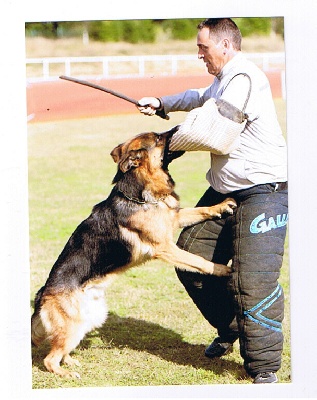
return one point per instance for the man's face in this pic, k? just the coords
(211, 53)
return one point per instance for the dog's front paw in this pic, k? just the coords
(221, 270)
(227, 206)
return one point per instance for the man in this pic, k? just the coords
(249, 164)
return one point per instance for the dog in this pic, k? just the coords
(133, 225)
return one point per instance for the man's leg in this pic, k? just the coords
(259, 235)
(213, 241)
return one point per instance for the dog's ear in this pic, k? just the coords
(132, 159)
(116, 153)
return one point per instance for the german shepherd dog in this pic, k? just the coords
(133, 225)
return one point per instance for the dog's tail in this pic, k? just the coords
(38, 333)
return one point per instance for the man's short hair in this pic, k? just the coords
(220, 28)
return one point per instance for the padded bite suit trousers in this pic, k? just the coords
(249, 305)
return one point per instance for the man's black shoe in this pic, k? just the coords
(218, 348)
(266, 377)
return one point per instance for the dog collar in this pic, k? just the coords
(139, 201)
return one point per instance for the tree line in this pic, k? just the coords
(146, 31)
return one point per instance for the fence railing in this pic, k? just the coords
(49, 68)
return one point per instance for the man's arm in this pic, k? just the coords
(217, 124)
(185, 101)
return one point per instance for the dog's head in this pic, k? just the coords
(149, 150)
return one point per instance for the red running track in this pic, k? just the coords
(49, 101)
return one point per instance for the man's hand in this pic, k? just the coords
(149, 105)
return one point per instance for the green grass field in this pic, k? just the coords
(154, 334)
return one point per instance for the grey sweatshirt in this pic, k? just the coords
(261, 156)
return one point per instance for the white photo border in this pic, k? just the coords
(300, 47)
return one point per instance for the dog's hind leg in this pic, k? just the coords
(63, 340)
(52, 364)
(60, 315)
(67, 317)
(60, 350)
